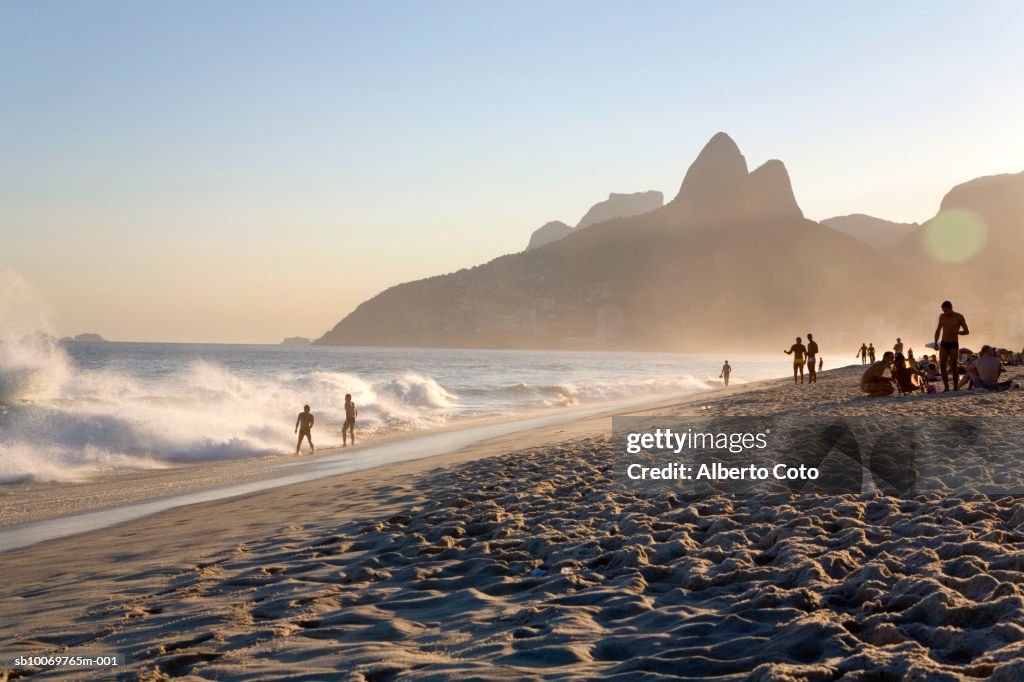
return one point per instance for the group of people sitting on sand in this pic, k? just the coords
(979, 371)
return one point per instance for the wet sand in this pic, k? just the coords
(523, 557)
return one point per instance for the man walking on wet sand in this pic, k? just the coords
(951, 327)
(726, 371)
(305, 422)
(797, 350)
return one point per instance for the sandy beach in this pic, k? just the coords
(523, 557)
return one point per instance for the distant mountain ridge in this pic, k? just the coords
(870, 230)
(547, 233)
(728, 261)
(980, 230)
(615, 206)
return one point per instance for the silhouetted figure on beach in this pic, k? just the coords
(351, 412)
(812, 355)
(897, 347)
(951, 327)
(871, 352)
(304, 427)
(874, 382)
(910, 356)
(726, 371)
(821, 363)
(863, 353)
(798, 350)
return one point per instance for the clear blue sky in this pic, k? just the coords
(242, 171)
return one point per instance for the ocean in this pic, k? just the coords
(72, 411)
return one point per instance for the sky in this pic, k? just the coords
(245, 171)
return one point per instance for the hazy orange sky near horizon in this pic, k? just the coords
(242, 172)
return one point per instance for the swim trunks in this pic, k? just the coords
(950, 345)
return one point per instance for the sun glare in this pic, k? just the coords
(955, 235)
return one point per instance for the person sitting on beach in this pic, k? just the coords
(871, 352)
(987, 369)
(863, 353)
(906, 376)
(873, 382)
(812, 352)
(951, 327)
(351, 412)
(967, 372)
(798, 350)
(305, 422)
(726, 371)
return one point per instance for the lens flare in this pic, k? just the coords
(955, 235)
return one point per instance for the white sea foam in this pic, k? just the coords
(95, 419)
(70, 411)
(65, 422)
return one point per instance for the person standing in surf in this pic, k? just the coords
(351, 412)
(726, 371)
(798, 350)
(305, 423)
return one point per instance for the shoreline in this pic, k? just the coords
(520, 557)
(29, 503)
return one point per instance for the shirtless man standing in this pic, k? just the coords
(812, 354)
(797, 350)
(863, 353)
(305, 421)
(726, 371)
(951, 326)
(351, 412)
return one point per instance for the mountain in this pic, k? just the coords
(621, 206)
(973, 244)
(296, 341)
(547, 233)
(615, 206)
(730, 262)
(89, 338)
(870, 230)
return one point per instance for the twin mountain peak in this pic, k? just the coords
(729, 262)
(718, 188)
